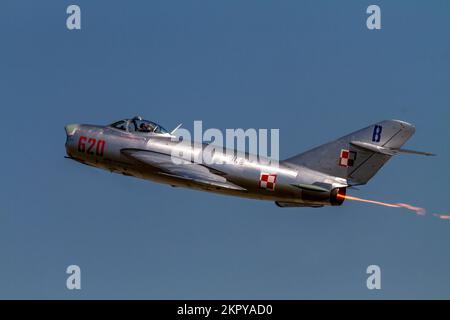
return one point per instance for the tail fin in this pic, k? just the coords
(359, 155)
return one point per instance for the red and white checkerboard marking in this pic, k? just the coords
(347, 158)
(267, 181)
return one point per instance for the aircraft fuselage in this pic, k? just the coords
(259, 178)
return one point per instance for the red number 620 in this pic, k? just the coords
(91, 143)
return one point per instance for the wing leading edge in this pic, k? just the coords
(189, 171)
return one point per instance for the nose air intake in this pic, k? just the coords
(70, 129)
(70, 145)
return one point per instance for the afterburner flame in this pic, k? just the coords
(417, 210)
(442, 216)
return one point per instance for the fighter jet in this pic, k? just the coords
(318, 177)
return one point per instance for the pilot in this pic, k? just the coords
(144, 127)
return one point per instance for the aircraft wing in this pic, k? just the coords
(194, 172)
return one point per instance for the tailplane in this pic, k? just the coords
(358, 156)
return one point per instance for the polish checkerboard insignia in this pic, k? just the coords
(267, 181)
(347, 158)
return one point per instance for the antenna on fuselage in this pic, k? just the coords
(178, 127)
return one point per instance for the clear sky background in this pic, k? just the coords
(310, 68)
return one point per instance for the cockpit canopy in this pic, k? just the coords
(138, 125)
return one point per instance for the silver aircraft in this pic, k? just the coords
(318, 177)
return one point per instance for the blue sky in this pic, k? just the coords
(310, 68)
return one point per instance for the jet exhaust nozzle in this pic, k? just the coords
(337, 196)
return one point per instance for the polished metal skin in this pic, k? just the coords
(318, 177)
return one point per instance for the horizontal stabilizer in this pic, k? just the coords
(386, 150)
(422, 153)
(359, 155)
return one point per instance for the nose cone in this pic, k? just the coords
(70, 129)
(70, 144)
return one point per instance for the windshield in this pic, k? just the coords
(139, 125)
(121, 125)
